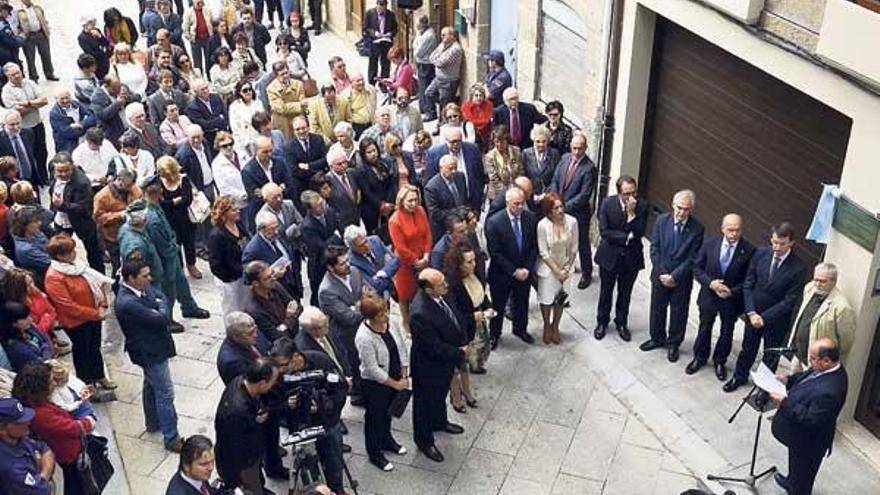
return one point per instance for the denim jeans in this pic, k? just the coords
(158, 398)
(330, 451)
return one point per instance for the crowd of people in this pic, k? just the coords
(211, 141)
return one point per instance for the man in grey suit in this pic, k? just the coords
(289, 218)
(345, 194)
(166, 94)
(540, 160)
(443, 193)
(339, 298)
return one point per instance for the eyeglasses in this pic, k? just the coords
(453, 116)
(227, 144)
(247, 90)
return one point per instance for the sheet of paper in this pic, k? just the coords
(282, 262)
(766, 380)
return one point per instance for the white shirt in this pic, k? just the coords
(33, 22)
(207, 176)
(137, 292)
(243, 132)
(227, 178)
(61, 218)
(143, 166)
(267, 170)
(346, 281)
(94, 163)
(781, 257)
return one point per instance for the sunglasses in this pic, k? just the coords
(453, 116)
(247, 90)
(227, 144)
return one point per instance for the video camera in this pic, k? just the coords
(308, 386)
(304, 436)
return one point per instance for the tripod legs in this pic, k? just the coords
(752, 479)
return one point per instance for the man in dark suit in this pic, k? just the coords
(675, 240)
(320, 228)
(269, 246)
(142, 312)
(70, 120)
(305, 154)
(19, 142)
(524, 184)
(345, 192)
(107, 103)
(71, 200)
(436, 329)
(444, 193)
(511, 238)
(257, 34)
(149, 136)
(541, 159)
(166, 94)
(207, 110)
(261, 170)
(376, 262)
(273, 309)
(622, 221)
(242, 346)
(456, 227)
(313, 336)
(380, 27)
(289, 218)
(574, 181)
(165, 19)
(470, 164)
(193, 466)
(806, 419)
(519, 117)
(720, 268)
(771, 291)
(195, 157)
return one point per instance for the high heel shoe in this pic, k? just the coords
(459, 409)
(471, 403)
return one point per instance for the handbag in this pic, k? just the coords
(93, 464)
(200, 208)
(363, 46)
(399, 402)
(310, 86)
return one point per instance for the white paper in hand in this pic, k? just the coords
(767, 381)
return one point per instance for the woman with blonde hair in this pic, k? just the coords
(502, 163)
(478, 111)
(226, 241)
(452, 117)
(177, 196)
(130, 73)
(411, 237)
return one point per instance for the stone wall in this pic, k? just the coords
(796, 21)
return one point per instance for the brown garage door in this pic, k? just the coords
(742, 140)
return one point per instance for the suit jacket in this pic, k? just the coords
(106, 110)
(144, 322)
(305, 342)
(151, 140)
(316, 158)
(157, 102)
(666, 259)
(835, 319)
(258, 248)
(211, 121)
(320, 121)
(317, 236)
(707, 268)
(435, 341)
(775, 300)
(290, 222)
(504, 256)
(541, 173)
(439, 201)
(173, 23)
(371, 25)
(253, 177)
(78, 203)
(473, 162)
(529, 116)
(179, 486)
(233, 359)
(369, 269)
(806, 419)
(271, 320)
(578, 192)
(66, 137)
(190, 165)
(346, 205)
(618, 252)
(261, 39)
(337, 301)
(41, 175)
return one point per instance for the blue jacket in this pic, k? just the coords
(368, 269)
(666, 258)
(144, 322)
(66, 137)
(21, 351)
(497, 81)
(233, 358)
(17, 462)
(476, 173)
(576, 194)
(190, 165)
(258, 248)
(774, 299)
(31, 254)
(9, 44)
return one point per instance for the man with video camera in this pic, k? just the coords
(313, 391)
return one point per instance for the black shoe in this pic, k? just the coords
(197, 313)
(317, 32)
(493, 341)
(346, 448)
(175, 327)
(343, 428)
(278, 473)
(52, 78)
(452, 429)
(479, 370)
(733, 384)
(471, 403)
(782, 481)
(459, 409)
(650, 345)
(525, 337)
(585, 282)
(720, 371)
(432, 453)
(624, 333)
(599, 331)
(693, 367)
(383, 464)
(672, 354)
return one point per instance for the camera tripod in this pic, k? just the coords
(306, 471)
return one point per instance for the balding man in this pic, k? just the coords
(381, 128)
(274, 310)
(824, 313)
(443, 193)
(263, 169)
(150, 138)
(345, 190)
(305, 154)
(806, 418)
(524, 184)
(289, 218)
(360, 100)
(436, 351)
(675, 240)
(18, 142)
(470, 164)
(519, 117)
(446, 58)
(207, 110)
(513, 250)
(720, 268)
(70, 120)
(108, 104)
(313, 336)
(195, 157)
(270, 245)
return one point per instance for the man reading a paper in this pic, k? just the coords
(273, 248)
(806, 418)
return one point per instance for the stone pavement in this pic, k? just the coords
(584, 417)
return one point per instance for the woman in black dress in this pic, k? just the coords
(176, 197)
(378, 185)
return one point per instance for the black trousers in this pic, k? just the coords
(803, 465)
(316, 273)
(271, 441)
(86, 349)
(73, 482)
(585, 250)
(501, 288)
(38, 42)
(316, 13)
(41, 153)
(677, 301)
(708, 313)
(378, 57)
(752, 338)
(354, 360)
(429, 411)
(624, 282)
(377, 420)
(359, 129)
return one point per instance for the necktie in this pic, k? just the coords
(147, 138)
(347, 186)
(208, 106)
(305, 145)
(449, 312)
(371, 257)
(454, 190)
(517, 232)
(514, 126)
(569, 173)
(24, 161)
(726, 254)
(204, 489)
(254, 352)
(381, 23)
(676, 237)
(235, 161)
(325, 344)
(774, 266)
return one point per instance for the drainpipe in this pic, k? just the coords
(609, 98)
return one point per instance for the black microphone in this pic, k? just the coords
(781, 350)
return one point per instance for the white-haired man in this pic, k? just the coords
(70, 120)
(345, 190)
(207, 110)
(271, 247)
(376, 261)
(151, 140)
(518, 117)
(443, 193)
(469, 162)
(18, 142)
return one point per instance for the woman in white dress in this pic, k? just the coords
(224, 75)
(130, 73)
(226, 169)
(241, 112)
(557, 250)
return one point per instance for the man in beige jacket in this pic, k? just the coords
(34, 28)
(824, 313)
(287, 99)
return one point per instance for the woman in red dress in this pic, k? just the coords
(411, 238)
